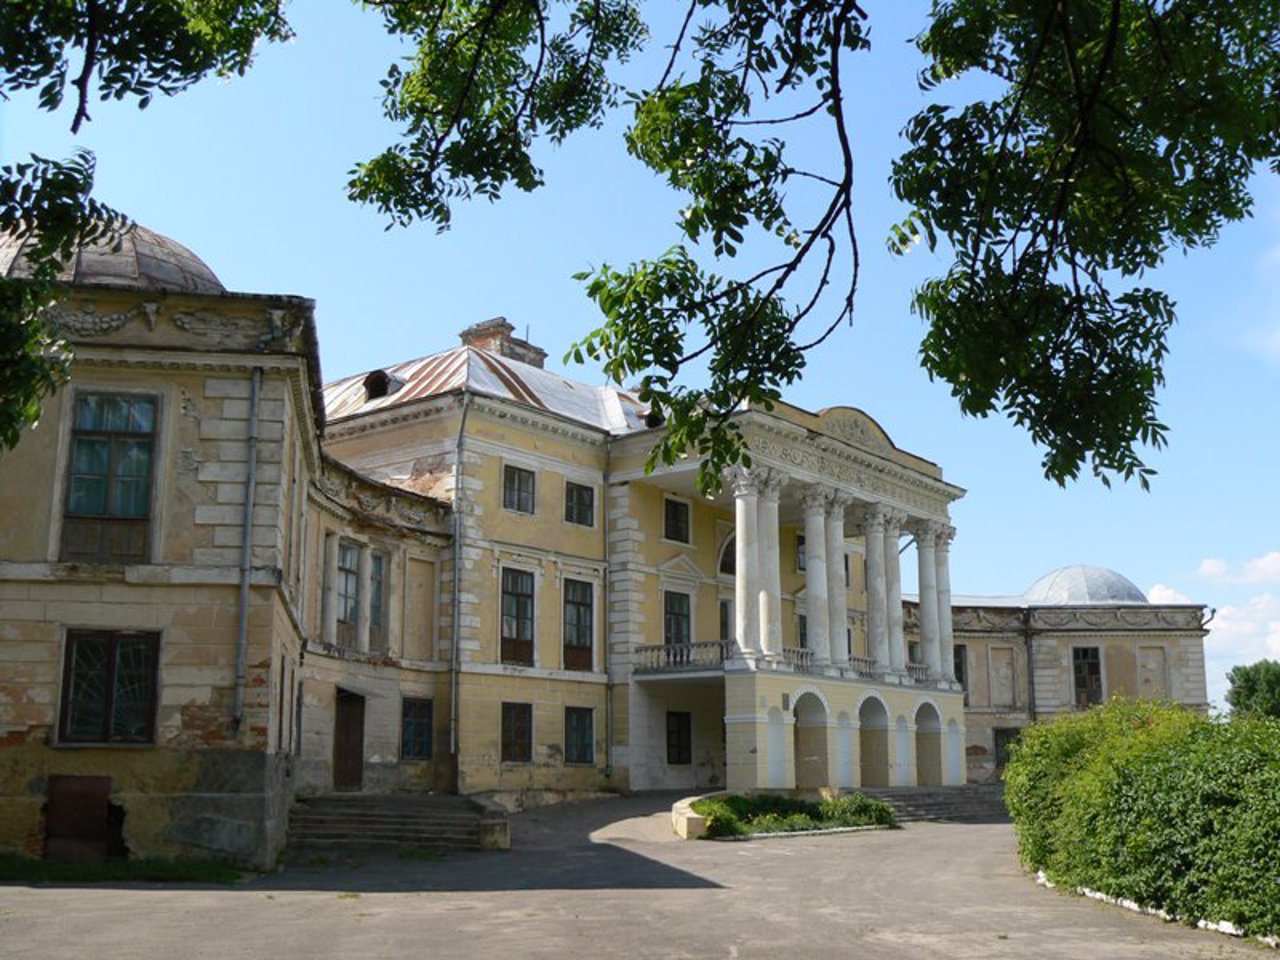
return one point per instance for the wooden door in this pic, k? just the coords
(348, 741)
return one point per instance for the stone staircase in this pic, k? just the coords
(972, 803)
(360, 820)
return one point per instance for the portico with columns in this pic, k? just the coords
(819, 686)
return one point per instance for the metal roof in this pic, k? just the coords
(489, 374)
(1081, 585)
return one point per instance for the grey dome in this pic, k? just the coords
(1081, 585)
(144, 261)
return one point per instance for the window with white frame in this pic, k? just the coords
(677, 618)
(579, 622)
(348, 593)
(517, 616)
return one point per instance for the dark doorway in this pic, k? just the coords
(348, 741)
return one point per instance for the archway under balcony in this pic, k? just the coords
(928, 746)
(873, 742)
(810, 742)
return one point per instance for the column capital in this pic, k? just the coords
(946, 533)
(743, 482)
(873, 518)
(770, 481)
(926, 531)
(816, 498)
(894, 519)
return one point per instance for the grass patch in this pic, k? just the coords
(147, 870)
(739, 815)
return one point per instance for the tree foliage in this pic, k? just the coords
(1255, 688)
(1118, 131)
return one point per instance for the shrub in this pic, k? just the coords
(1155, 803)
(736, 814)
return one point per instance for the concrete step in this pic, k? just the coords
(977, 803)
(381, 820)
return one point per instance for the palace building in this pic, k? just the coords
(224, 584)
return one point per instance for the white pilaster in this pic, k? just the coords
(364, 573)
(770, 568)
(815, 502)
(926, 536)
(877, 611)
(946, 638)
(746, 580)
(893, 590)
(329, 596)
(837, 592)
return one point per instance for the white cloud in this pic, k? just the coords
(1241, 634)
(1263, 569)
(1162, 594)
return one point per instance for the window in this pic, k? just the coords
(579, 504)
(517, 616)
(1087, 668)
(960, 664)
(1005, 737)
(578, 622)
(517, 733)
(579, 735)
(676, 620)
(802, 632)
(378, 601)
(846, 571)
(348, 593)
(729, 558)
(679, 737)
(675, 520)
(517, 489)
(415, 729)
(914, 652)
(800, 558)
(108, 506)
(109, 686)
(726, 620)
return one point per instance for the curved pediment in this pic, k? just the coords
(853, 426)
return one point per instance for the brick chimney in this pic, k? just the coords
(495, 336)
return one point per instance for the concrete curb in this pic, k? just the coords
(689, 825)
(1217, 926)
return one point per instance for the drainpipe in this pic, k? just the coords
(246, 553)
(456, 641)
(604, 634)
(1027, 636)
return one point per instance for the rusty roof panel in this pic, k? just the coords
(480, 371)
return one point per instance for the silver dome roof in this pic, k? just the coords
(1081, 584)
(145, 260)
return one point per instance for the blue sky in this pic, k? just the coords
(249, 173)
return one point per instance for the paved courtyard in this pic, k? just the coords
(607, 879)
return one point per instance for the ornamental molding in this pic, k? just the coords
(84, 320)
(1116, 618)
(544, 422)
(986, 619)
(855, 428)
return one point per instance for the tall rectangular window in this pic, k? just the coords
(108, 508)
(960, 664)
(579, 735)
(517, 616)
(675, 520)
(676, 619)
(726, 621)
(517, 489)
(579, 617)
(378, 601)
(679, 737)
(517, 733)
(109, 687)
(579, 504)
(348, 593)
(802, 632)
(1087, 668)
(801, 565)
(415, 729)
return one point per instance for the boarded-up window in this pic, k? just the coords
(108, 508)
(419, 633)
(1152, 676)
(517, 732)
(1003, 688)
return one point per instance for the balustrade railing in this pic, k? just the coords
(798, 658)
(865, 667)
(683, 656)
(918, 672)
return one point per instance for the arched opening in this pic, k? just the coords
(777, 745)
(810, 742)
(928, 746)
(873, 743)
(844, 750)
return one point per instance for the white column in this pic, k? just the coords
(926, 534)
(877, 612)
(329, 595)
(837, 592)
(893, 590)
(746, 579)
(945, 636)
(770, 568)
(816, 611)
(364, 575)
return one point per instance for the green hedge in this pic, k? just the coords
(735, 815)
(1155, 803)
